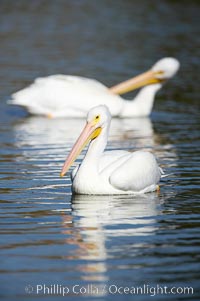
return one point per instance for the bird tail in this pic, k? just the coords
(163, 174)
(10, 101)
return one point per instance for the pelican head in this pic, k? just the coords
(97, 119)
(99, 116)
(165, 68)
(159, 73)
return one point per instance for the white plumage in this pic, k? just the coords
(73, 96)
(112, 172)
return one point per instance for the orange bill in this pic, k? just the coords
(89, 132)
(146, 78)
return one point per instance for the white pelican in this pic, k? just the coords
(73, 96)
(112, 172)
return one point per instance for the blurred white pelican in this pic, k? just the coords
(112, 172)
(73, 96)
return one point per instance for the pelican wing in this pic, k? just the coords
(111, 158)
(108, 162)
(138, 172)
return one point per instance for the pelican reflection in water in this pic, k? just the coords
(95, 220)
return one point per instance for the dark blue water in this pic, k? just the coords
(87, 246)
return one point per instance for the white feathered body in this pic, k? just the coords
(115, 172)
(73, 96)
(110, 172)
(65, 95)
(118, 172)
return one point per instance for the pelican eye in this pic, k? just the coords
(160, 72)
(160, 75)
(97, 118)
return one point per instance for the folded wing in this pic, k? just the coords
(138, 172)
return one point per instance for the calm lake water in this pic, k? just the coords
(89, 244)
